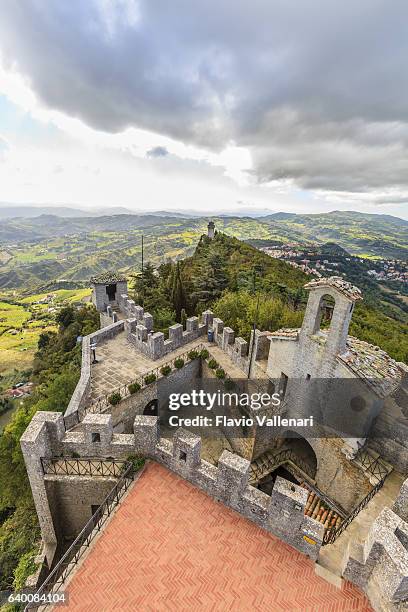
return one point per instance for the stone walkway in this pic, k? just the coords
(119, 362)
(332, 556)
(170, 547)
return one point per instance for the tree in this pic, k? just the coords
(178, 296)
(65, 316)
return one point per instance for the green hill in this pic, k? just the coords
(51, 248)
(245, 286)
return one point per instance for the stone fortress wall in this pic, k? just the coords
(380, 566)
(282, 513)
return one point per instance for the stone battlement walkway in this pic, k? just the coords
(171, 547)
(120, 362)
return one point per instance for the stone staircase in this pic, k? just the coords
(270, 461)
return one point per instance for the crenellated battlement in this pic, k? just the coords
(282, 513)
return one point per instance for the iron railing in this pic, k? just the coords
(331, 535)
(372, 465)
(65, 565)
(63, 466)
(102, 403)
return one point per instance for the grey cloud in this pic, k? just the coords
(157, 152)
(316, 90)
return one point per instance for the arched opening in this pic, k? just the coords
(302, 452)
(152, 408)
(325, 313)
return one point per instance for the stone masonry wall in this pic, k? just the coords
(282, 513)
(72, 498)
(74, 411)
(379, 566)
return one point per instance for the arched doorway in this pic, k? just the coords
(301, 449)
(152, 408)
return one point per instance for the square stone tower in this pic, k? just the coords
(107, 289)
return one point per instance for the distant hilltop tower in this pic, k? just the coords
(211, 229)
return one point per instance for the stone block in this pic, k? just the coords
(241, 347)
(131, 307)
(400, 506)
(156, 345)
(228, 337)
(139, 312)
(146, 431)
(233, 475)
(207, 317)
(98, 432)
(218, 326)
(176, 334)
(287, 505)
(141, 333)
(186, 450)
(130, 326)
(192, 324)
(148, 321)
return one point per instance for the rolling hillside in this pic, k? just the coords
(48, 248)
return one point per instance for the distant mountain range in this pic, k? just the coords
(48, 247)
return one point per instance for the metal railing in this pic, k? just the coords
(63, 466)
(102, 403)
(372, 465)
(66, 564)
(331, 535)
(268, 463)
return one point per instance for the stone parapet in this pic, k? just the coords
(282, 514)
(75, 409)
(379, 566)
(139, 328)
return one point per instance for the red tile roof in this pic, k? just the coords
(171, 547)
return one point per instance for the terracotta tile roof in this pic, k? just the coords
(366, 360)
(169, 546)
(349, 290)
(373, 364)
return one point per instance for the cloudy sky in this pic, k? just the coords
(206, 105)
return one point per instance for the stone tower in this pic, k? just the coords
(107, 289)
(211, 229)
(332, 340)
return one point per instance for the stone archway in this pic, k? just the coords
(301, 448)
(152, 408)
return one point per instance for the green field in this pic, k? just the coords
(22, 320)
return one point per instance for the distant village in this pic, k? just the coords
(310, 260)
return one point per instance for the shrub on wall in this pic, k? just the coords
(165, 370)
(213, 364)
(150, 378)
(134, 387)
(137, 462)
(114, 398)
(178, 363)
(192, 355)
(204, 354)
(220, 373)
